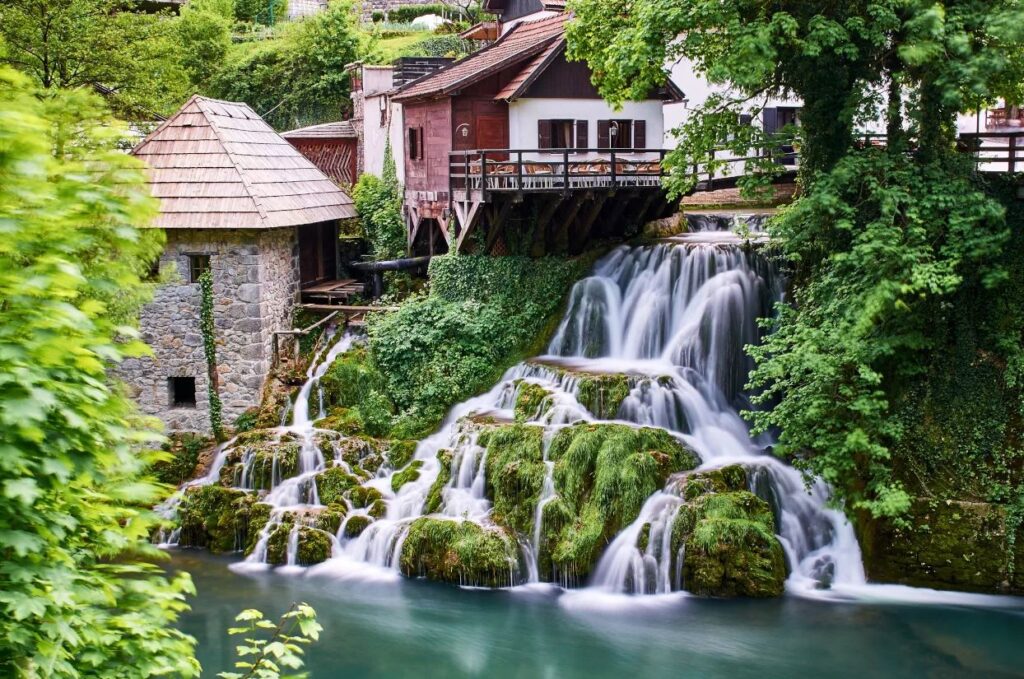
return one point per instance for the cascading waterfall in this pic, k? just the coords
(675, 318)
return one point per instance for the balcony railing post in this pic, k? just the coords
(483, 173)
(466, 175)
(519, 170)
(1013, 152)
(565, 170)
(613, 177)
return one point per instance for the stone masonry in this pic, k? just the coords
(255, 283)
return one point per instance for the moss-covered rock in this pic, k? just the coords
(353, 383)
(600, 393)
(946, 545)
(355, 525)
(459, 552)
(400, 453)
(726, 537)
(435, 496)
(342, 420)
(529, 401)
(329, 519)
(208, 518)
(251, 516)
(603, 474)
(314, 545)
(363, 496)
(407, 475)
(255, 459)
(331, 485)
(722, 480)
(514, 474)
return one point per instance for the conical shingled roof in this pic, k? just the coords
(218, 165)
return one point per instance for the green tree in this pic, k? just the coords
(205, 36)
(264, 658)
(65, 44)
(79, 594)
(261, 11)
(887, 247)
(298, 78)
(379, 203)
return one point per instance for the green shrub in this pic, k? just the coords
(379, 203)
(480, 316)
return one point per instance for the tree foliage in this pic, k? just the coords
(204, 31)
(379, 203)
(298, 78)
(105, 44)
(79, 596)
(270, 649)
(884, 243)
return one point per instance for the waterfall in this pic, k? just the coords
(675, 318)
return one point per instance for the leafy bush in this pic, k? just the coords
(262, 11)
(379, 203)
(450, 45)
(79, 596)
(480, 316)
(205, 36)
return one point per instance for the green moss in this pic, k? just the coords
(603, 474)
(435, 497)
(603, 394)
(529, 401)
(331, 485)
(329, 520)
(378, 509)
(407, 475)
(458, 552)
(314, 546)
(247, 420)
(514, 474)
(363, 496)
(723, 480)
(262, 456)
(353, 383)
(356, 525)
(727, 539)
(184, 451)
(251, 516)
(644, 539)
(400, 453)
(207, 516)
(342, 420)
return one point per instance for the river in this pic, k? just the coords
(405, 628)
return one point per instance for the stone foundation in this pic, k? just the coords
(255, 283)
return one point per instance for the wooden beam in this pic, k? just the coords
(472, 217)
(547, 212)
(497, 224)
(619, 205)
(585, 224)
(560, 238)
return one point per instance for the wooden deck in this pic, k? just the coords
(331, 292)
(474, 175)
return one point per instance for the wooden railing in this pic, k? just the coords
(549, 170)
(995, 151)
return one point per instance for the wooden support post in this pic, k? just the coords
(497, 225)
(470, 216)
(622, 201)
(563, 222)
(586, 223)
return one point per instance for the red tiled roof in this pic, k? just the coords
(526, 40)
(518, 85)
(218, 165)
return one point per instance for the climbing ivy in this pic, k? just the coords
(208, 330)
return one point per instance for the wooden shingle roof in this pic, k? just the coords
(341, 129)
(218, 165)
(526, 40)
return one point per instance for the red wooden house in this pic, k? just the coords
(514, 129)
(332, 147)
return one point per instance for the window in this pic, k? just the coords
(182, 391)
(557, 134)
(415, 143)
(621, 134)
(197, 265)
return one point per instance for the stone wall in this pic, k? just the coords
(255, 282)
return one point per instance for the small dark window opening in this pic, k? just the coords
(197, 265)
(615, 134)
(154, 270)
(182, 391)
(556, 134)
(415, 143)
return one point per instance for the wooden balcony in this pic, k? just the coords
(475, 175)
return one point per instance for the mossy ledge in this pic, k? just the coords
(603, 474)
(459, 553)
(725, 534)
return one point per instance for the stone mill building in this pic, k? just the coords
(238, 200)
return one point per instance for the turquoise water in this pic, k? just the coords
(400, 628)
